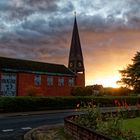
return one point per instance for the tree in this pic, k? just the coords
(131, 75)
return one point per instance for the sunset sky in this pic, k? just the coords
(41, 30)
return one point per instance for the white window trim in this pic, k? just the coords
(71, 82)
(61, 81)
(37, 80)
(49, 80)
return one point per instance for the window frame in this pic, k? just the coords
(61, 81)
(37, 80)
(71, 82)
(50, 80)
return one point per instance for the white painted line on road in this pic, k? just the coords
(8, 130)
(26, 128)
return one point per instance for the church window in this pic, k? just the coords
(50, 80)
(37, 80)
(71, 82)
(61, 81)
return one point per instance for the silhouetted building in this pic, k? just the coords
(24, 77)
(76, 62)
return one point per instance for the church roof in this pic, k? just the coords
(18, 65)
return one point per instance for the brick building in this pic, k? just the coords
(24, 77)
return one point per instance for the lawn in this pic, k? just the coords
(133, 124)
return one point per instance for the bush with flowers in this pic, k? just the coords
(125, 110)
(108, 123)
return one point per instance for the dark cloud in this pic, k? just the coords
(41, 29)
(15, 10)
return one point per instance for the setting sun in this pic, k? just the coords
(107, 81)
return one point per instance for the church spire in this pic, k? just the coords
(76, 63)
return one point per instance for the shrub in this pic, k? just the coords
(108, 123)
(82, 91)
(29, 103)
(91, 118)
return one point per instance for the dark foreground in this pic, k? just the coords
(14, 127)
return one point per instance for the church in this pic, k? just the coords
(24, 77)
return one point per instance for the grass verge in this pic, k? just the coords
(133, 124)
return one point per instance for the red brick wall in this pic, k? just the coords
(57, 90)
(26, 83)
(80, 79)
(80, 132)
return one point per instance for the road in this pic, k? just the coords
(14, 127)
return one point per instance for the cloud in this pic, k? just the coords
(42, 29)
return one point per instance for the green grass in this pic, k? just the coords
(133, 124)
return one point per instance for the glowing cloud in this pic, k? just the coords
(41, 30)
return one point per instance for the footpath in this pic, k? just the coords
(104, 109)
(13, 114)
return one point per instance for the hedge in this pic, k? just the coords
(27, 103)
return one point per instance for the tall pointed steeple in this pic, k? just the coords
(76, 62)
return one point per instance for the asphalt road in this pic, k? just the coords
(14, 127)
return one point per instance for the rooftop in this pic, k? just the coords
(18, 65)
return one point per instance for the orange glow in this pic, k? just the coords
(107, 53)
(106, 81)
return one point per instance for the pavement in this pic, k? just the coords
(32, 134)
(13, 114)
